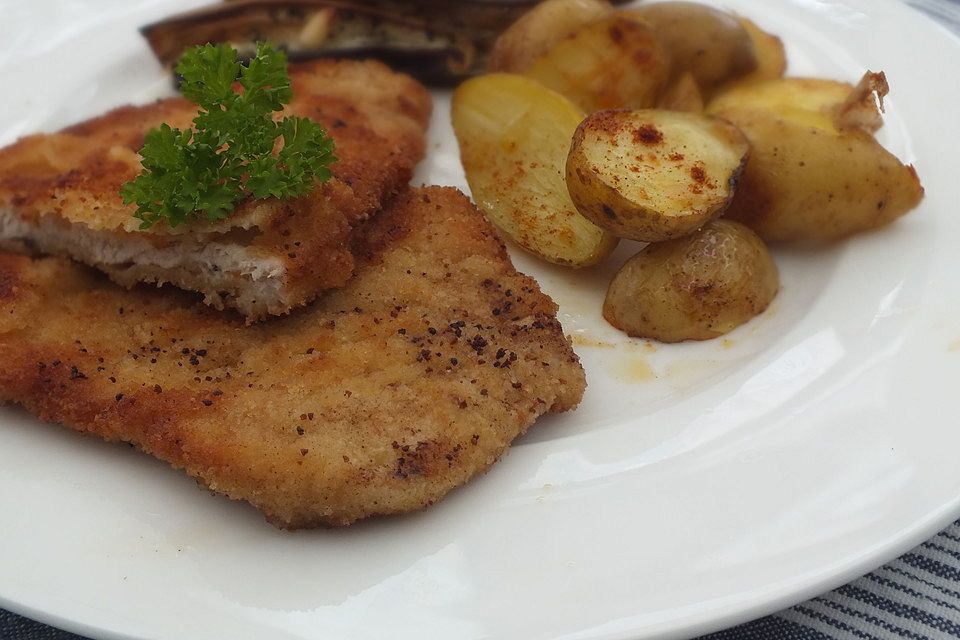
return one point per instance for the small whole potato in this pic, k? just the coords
(654, 175)
(696, 288)
(710, 44)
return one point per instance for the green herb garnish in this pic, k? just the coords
(230, 154)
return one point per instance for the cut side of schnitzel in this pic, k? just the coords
(59, 194)
(378, 398)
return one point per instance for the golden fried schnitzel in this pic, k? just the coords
(60, 194)
(378, 398)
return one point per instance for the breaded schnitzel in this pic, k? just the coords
(60, 193)
(378, 398)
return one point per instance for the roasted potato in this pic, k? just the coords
(695, 288)
(810, 184)
(815, 172)
(822, 103)
(800, 98)
(514, 134)
(768, 48)
(617, 62)
(682, 94)
(710, 44)
(654, 175)
(540, 28)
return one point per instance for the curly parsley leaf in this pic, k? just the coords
(231, 153)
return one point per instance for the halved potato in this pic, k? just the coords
(540, 28)
(682, 94)
(613, 63)
(826, 104)
(793, 97)
(514, 134)
(710, 44)
(816, 184)
(654, 175)
(816, 173)
(695, 288)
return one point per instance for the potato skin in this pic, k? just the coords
(812, 184)
(710, 44)
(539, 29)
(707, 192)
(771, 55)
(771, 58)
(696, 288)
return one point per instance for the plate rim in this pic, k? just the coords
(841, 573)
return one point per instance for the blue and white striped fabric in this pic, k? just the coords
(946, 12)
(916, 597)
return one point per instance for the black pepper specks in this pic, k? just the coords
(478, 343)
(457, 327)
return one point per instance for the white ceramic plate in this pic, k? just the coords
(697, 486)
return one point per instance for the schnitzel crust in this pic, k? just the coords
(378, 398)
(60, 192)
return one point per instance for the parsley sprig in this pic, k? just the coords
(231, 152)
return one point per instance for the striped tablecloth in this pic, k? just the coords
(916, 597)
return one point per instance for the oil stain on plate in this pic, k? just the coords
(634, 369)
(581, 340)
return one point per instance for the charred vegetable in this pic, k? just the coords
(438, 41)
